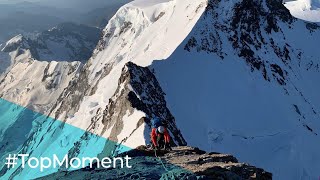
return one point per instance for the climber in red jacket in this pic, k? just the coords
(160, 138)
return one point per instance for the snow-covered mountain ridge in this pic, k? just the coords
(258, 90)
(237, 76)
(93, 99)
(308, 10)
(126, 31)
(65, 42)
(41, 65)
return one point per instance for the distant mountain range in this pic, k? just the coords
(25, 17)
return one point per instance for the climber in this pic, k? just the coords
(160, 137)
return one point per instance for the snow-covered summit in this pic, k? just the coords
(248, 76)
(308, 10)
(39, 65)
(65, 42)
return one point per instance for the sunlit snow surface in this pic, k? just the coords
(308, 10)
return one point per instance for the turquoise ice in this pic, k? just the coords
(25, 131)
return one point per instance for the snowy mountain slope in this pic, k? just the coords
(100, 16)
(93, 99)
(124, 120)
(5, 61)
(48, 79)
(242, 82)
(41, 65)
(37, 83)
(308, 10)
(65, 42)
(248, 76)
(34, 74)
(126, 38)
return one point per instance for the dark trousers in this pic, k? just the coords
(160, 141)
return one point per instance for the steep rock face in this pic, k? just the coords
(137, 99)
(263, 34)
(258, 69)
(126, 38)
(146, 95)
(180, 163)
(249, 31)
(125, 120)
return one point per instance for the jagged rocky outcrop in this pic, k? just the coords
(259, 33)
(262, 34)
(252, 68)
(139, 89)
(181, 163)
(248, 27)
(126, 118)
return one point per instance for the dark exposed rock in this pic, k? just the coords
(247, 27)
(150, 98)
(139, 89)
(312, 26)
(278, 74)
(297, 109)
(68, 101)
(159, 16)
(181, 163)
(126, 26)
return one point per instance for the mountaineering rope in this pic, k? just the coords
(169, 172)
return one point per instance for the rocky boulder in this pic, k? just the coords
(182, 162)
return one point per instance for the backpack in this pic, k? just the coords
(156, 122)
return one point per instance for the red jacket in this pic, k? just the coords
(154, 135)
